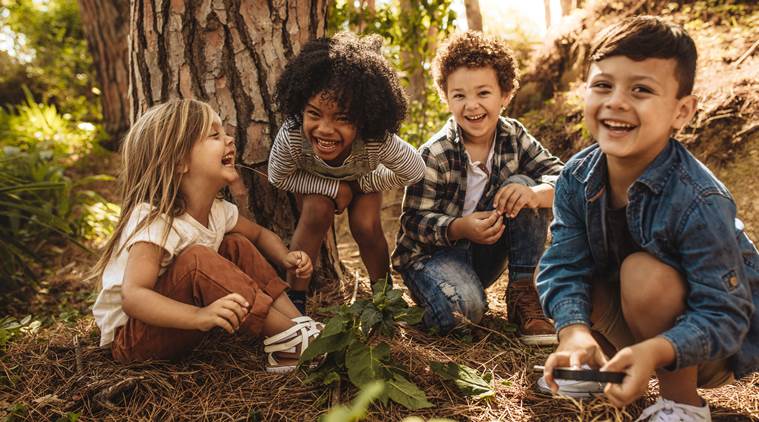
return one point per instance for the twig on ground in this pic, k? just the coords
(747, 54)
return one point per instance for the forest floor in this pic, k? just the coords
(57, 371)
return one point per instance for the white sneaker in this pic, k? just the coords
(574, 389)
(669, 411)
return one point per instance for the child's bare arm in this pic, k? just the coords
(272, 247)
(140, 301)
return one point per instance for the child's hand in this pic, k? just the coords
(344, 197)
(510, 199)
(483, 227)
(300, 263)
(639, 365)
(226, 312)
(576, 347)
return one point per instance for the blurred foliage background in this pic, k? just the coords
(49, 133)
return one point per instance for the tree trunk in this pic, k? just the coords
(473, 14)
(106, 26)
(367, 8)
(229, 54)
(411, 59)
(567, 6)
(547, 12)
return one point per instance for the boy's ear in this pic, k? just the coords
(506, 98)
(686, 108)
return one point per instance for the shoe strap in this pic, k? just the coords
(288, 333)
(290, 345)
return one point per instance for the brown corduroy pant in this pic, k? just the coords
(199, 276)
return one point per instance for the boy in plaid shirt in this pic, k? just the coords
(484, 198)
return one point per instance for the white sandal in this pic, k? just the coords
(300, 334)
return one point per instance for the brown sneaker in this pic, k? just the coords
(523, 307)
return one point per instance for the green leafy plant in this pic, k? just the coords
(51, 54)
(351, 345)
(41, 202)
(465, 378)
(10, 327)
(357, 408)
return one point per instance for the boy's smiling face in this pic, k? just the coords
(475, 99)
(631, 106)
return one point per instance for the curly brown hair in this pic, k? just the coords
(475, 49)
(352, 72)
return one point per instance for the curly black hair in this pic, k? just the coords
(352, 72)
(475, 49)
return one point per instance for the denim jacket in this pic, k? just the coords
(680, 213)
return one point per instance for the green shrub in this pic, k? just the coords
(39, 203)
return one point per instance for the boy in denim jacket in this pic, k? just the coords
(648, 264)
(483, 200)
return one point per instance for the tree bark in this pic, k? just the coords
(547, 12)
(411, 58)
(473, 14)
(366, 7)
(567, 6)
(229, 53)
(106, 27)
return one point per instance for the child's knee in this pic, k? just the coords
(318, 212)
(195, 254)
(647, 284)
(366, 229)
(236, 243)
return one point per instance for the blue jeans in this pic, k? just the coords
(453, 280)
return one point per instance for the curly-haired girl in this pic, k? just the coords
(337, 148)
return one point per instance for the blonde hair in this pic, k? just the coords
(151, 155)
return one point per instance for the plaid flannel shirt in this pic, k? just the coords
(431, 204)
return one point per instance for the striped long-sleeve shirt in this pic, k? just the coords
(377, 166)
(430, 205)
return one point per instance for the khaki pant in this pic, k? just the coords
(199, 276)
(613, 327)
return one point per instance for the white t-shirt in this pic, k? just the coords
(185, 231)
(476, 181)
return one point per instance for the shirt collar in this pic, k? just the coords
(592, 171)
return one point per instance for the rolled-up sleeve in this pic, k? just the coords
(400, 165)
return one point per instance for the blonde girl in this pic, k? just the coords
(182, 261)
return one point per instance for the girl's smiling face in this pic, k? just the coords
(328, 129)
(212, 159)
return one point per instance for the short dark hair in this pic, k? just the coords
(645, 37)
(352, 72)
(475, 50)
